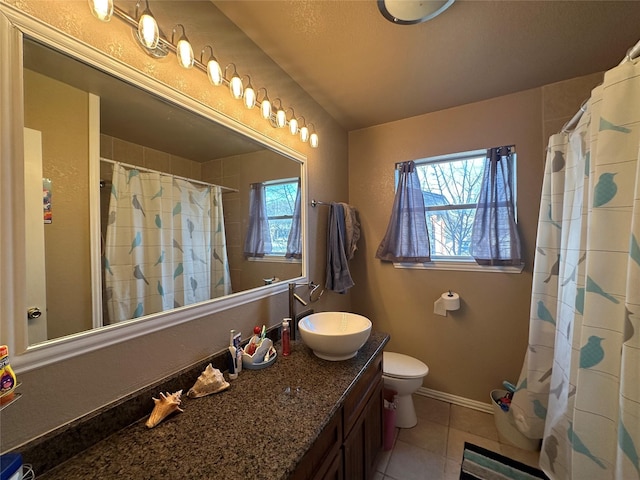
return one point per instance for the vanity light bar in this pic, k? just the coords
(163, 47)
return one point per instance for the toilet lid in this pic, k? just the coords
(402, 366)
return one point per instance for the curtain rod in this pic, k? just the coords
(128, 165)
(632, 54)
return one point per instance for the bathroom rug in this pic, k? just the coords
(481, 464)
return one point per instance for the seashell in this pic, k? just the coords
(210, 381)
(164, 406)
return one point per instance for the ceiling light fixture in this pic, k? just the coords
(235, 83)
(304, 130)
(249, 94)
(281, 116)
(148, 31)
(313, 138)
(265, 105)
(184, 52)
(410, 12)
(152, 40)
(214, 72)
(101, 9)
(293, 122)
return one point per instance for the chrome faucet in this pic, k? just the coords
(293, 297)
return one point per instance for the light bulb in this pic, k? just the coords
(281, 118)
(313, 140)
(148, 30)
(265, 108)
(304, 133)
(184, 53)
(214, 71)
(293, 126)
(235, 87)
(101, 9)
(249, 97)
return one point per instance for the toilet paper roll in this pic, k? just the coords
(447, 301)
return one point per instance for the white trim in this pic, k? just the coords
(13, 23)
(94, 210)
(274, 259)
(456, 400)
(460, 266)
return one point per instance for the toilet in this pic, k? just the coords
(403, 374)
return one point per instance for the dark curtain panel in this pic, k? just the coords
(407, 239)
(495, 239)
(294, 242)
(258, 240)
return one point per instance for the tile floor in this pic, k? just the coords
(432, 450)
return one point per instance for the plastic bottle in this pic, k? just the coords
(286, 345)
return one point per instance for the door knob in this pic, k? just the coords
(33, 312)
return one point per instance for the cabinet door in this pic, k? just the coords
(373, 430)
(362, 445)
(354, 451)
(335, 469)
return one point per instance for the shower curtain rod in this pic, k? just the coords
(632, 54)
(128, 165)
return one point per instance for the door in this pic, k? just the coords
(36, 313)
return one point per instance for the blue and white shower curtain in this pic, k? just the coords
(579, 389)
(165, 244)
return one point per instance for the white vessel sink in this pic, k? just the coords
(335, 335)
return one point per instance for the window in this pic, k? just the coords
(280, 205)
(451, 186)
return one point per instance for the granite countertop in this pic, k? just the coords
(259, 428)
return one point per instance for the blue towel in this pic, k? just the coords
(338, 275)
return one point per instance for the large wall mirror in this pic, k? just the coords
(137, 203)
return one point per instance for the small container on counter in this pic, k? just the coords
(286, 338)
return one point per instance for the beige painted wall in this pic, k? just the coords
(61, 113)
(54, 395)
(471, 351)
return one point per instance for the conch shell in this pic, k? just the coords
(164, 406)
(210, 381)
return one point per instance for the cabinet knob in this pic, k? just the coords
(33, 312)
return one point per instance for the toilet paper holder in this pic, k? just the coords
(448, 301)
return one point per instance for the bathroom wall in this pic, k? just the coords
(471, 351)
(64, 123)
(54, 395)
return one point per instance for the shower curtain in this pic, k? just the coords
(165, 244)
(579, 389)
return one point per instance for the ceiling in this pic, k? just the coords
(365, 70)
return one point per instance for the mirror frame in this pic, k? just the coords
(14, 24)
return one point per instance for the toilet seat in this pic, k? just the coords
(397, 365)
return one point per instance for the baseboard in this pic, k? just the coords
(456, 400)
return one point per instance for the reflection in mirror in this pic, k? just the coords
(144, 205)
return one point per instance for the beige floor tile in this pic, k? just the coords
(409, 462)
(383, 460)
(451, 469)
(473, 421)
(431, 409)
(456, 439)
(527, 457)
(428, 435)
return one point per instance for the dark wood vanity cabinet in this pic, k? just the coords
(348, 446)
(362, 414)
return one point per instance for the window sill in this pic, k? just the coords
(460, 266)
(274, 259)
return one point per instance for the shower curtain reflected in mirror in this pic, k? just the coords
(165, 244)
(579, 389)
